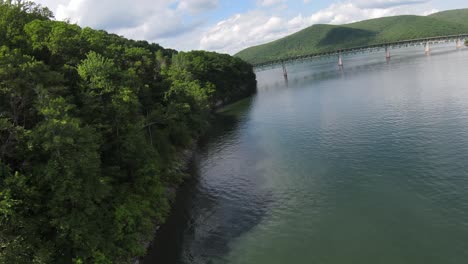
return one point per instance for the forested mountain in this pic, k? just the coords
(322, 38)
(459, 16)
(91, 125)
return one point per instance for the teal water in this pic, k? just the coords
(368, 164)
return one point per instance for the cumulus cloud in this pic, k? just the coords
(266, 3)
(196, 6)
(348, 12)
(243, 30)
(148, 19)
(386, 3)
(154, 20)
(183, 24)
(345, 13)
(254, 28)
(106, 14)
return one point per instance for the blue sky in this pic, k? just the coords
(228, 26)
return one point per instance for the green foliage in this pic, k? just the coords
(90, 127)
(56, 42)
(323, 38)
(222, 71)
(97, 71)
(458, 16)
(13, 16)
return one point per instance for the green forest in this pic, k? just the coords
(324, 38)
(91, 130)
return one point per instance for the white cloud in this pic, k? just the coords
(161, 21)
(182, 24)
(196, 6)
(345, 13)
(51, 4)
(254, 28)
(348, 12)
(243, 30)
(429, 12)
(266, 3)
(386, 3)
(106, 14)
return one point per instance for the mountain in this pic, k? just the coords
(322, 37)
(459, 16)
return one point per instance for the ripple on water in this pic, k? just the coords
(368, 165)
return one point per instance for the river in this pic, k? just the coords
(367, 164)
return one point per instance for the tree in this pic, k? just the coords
(13, 16)
(91, 125)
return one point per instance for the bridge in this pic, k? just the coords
(425, 42)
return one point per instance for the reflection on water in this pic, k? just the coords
(361, 165)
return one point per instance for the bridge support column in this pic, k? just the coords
(340, 60)
(427, 48)
(387, 53)
(285, 72)
(459, 43)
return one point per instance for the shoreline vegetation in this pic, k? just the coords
(185, 158)
(93, 131)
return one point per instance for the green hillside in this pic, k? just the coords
(321, 38)
(459, 16)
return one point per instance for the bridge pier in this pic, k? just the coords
(427, 48)
(422, 42)
(340, 60)
(285, 72)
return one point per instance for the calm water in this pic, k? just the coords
(364, 165)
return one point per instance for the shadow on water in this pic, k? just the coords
(205, 219)
(216, 221)
(224, 199)
(165, 247)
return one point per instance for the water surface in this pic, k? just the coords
(367, 164)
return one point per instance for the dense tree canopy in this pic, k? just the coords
(90, 127)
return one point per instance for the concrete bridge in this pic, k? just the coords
(426, 43)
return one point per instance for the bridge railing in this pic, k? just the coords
(359, 48)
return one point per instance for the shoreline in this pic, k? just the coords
(185, 157)
(184, 161)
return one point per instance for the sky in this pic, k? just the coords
(228, 26)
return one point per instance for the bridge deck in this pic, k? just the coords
(369, 48)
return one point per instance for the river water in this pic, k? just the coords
(367, 164)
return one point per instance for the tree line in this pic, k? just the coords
(91, 125)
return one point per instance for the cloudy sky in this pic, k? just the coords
(228, 25)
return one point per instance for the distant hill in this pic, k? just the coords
(459, 16)
(321, 37)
